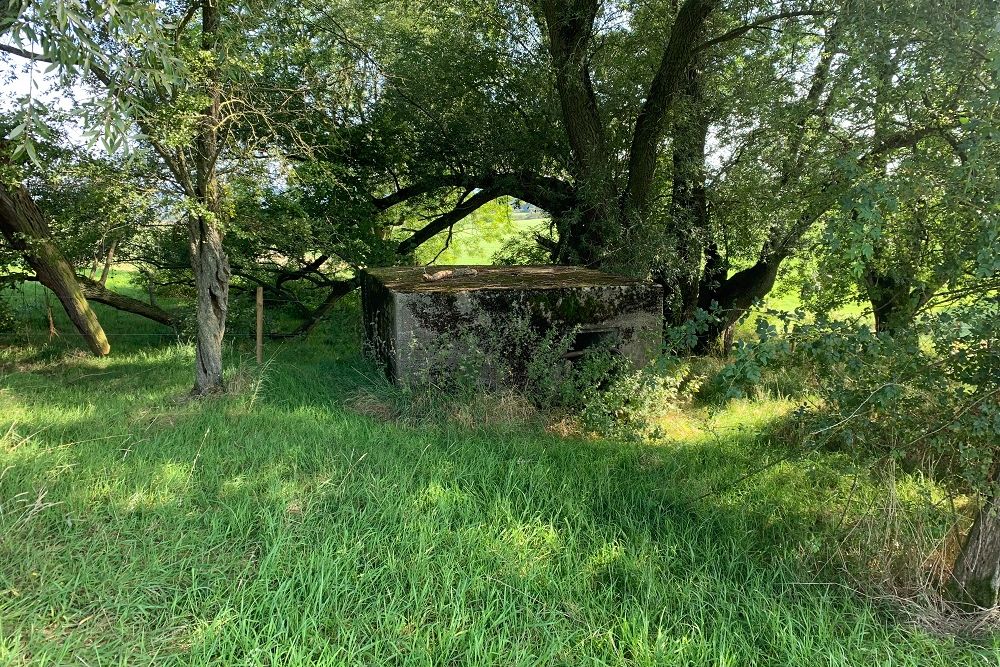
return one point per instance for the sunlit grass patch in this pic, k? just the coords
(316, 517)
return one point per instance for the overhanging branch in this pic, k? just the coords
(546, 192)
(443, 222)
(738, 32)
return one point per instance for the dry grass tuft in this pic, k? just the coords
(565, 426)
(481, 410)
(370, 405)
(487, 410)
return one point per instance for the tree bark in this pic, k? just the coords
(109, 259)
(24, 228)
(211, 278)
(208, 257)
(689, 215)
(675, 62)
(586, 236)
(976, 575)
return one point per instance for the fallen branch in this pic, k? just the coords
(95, 291)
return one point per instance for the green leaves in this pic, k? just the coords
(110, 54)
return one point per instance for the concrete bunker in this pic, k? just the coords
(411, 313)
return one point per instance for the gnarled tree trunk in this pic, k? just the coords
(208, 257)
(211, 278)
(587, 235)
(976, 575)
(22, 224)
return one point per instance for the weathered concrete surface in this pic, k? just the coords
(409, 319)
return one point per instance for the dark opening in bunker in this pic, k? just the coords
(585, 341)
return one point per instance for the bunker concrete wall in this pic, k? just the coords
(412, 327)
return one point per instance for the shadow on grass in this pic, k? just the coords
(281, 527)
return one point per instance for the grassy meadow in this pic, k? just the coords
(317, 516)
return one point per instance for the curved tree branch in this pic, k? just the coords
(95, 291)
(546, 192)
(443, 222)
(738, 32)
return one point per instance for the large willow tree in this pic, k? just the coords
(179, 80)
(703, 141)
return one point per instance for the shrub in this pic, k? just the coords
(599, 387)
(926, 397)
(632, 402)
(917, 412)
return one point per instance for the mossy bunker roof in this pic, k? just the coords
(412, 278)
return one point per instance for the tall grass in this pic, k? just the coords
(292, 523)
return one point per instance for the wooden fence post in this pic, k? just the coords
(260, 325)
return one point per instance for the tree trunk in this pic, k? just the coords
(669, 79)
(208, 258)
(590, 232)
(976, 575)
(731, 298)
(211, 278)
(109, 259)
(689, 216)
(151, 289)
(590, 237)
(889, 303)
(896, 301)
(595, 233)
(22, 224)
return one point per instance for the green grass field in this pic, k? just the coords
(311, 518)
(469, 245)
